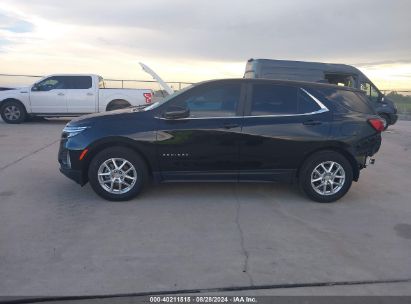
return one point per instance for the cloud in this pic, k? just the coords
(237, 30)
(12, 23)
(201, 39)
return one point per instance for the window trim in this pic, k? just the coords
(322, 109)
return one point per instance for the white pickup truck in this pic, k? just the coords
(67, 95)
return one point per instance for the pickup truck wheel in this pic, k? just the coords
(13, 112)
(326, 176)
(117, 174)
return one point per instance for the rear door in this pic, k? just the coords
(81, 95)
(50, 95)
(204, 145)
(282, 124)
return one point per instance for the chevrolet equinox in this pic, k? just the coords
(241, 130)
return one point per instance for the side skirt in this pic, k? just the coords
(280, 175)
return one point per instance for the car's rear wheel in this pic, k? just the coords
(13, 112)
(117, 174)
(326, 176)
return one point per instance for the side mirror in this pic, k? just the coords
(34, 88)
(176, 112)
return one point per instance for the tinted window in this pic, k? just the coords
(370, 91)
(211, 101)
(350, 100)
(52, 83)
(80, 82)
(268, 99)
(306, 104)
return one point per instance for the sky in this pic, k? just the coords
(187, 40)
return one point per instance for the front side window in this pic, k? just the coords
(371, 91)
(51, 83)
(211, 101)
(80, 82)
(268, 99)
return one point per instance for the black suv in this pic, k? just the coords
(241, 130)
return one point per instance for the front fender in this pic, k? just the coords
(21, 97)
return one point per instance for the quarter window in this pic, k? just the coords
(347, 99)
(211, 101)
(268, 99)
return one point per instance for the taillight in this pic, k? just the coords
(377, 124)
(148, 97)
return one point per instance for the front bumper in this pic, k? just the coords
(74, 175)
(69, 165)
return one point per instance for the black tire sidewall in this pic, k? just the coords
(22, 109)
(117, 152)
(314, 161)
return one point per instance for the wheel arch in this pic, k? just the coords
(123, 103)
(95, 148)
(13, 99)
(340, 150)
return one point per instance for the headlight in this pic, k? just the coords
(72, 131)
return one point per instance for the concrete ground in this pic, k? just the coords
(57, 238)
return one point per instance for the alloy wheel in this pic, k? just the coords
(117, 175)
(328, 178)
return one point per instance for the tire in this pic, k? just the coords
(386, 120)
(312, 170)
(116, 178)
(13, 112)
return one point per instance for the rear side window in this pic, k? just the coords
(80, 82)
(347, 99)
(268, 99)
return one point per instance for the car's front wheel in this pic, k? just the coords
(326, 176)
(13, 112)
(117, 174)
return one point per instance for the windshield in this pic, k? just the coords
(163, 101)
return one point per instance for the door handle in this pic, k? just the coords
(60, 94)
(90, 94)
(230, 125)
(312, 122)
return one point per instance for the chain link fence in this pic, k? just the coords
(15, 80)
(402, 98)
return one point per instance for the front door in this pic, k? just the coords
(204, 145)
(49, 95)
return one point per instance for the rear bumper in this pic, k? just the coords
(393, 118)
